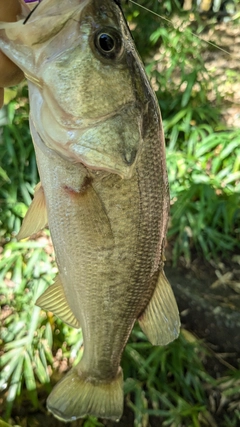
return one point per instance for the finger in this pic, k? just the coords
(9, 10)
(10, 74)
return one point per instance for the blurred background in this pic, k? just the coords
(191, 50)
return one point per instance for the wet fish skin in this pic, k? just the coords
(99, 143)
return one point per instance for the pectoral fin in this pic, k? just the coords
(97, 218)
(160, 320)
(92, 213)
(54, 300)
(36, 216)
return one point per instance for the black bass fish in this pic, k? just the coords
(97, 133)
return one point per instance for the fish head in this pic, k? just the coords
(89, 94)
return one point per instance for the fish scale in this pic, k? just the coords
(98, 138)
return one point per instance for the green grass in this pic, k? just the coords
(18, 171)
(203, 157)
(171, 383)
(205, 188)
(163, 383)
(26, 333)
(160, 382)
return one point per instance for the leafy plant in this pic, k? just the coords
(203, 158)
(26, 334)
(205, 185)
(202, 155)
(164, 383)
(18, 171)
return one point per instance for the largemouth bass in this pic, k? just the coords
(99, 143)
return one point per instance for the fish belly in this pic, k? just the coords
(108, 235)
(94, 220)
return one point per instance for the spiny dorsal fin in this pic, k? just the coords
(160, 320)
(36, 216)
(54, 300)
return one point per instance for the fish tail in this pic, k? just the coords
(76, 396)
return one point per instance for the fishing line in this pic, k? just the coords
(30, 14)
(170, 22)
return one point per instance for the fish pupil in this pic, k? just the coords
(106, 42)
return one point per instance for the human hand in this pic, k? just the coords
(10, 74)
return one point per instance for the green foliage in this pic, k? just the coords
(205, 183)
(27, 335)
(164, 383)
(161, 382)
(202, 155)
(18, 171)
(30, 336)
(144, 21)
(203, 161)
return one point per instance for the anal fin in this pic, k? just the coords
(160, 320)
(36, 216)
(54, 300)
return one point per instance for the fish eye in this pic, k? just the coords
(108, 42)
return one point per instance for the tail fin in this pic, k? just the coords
(74, 397)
